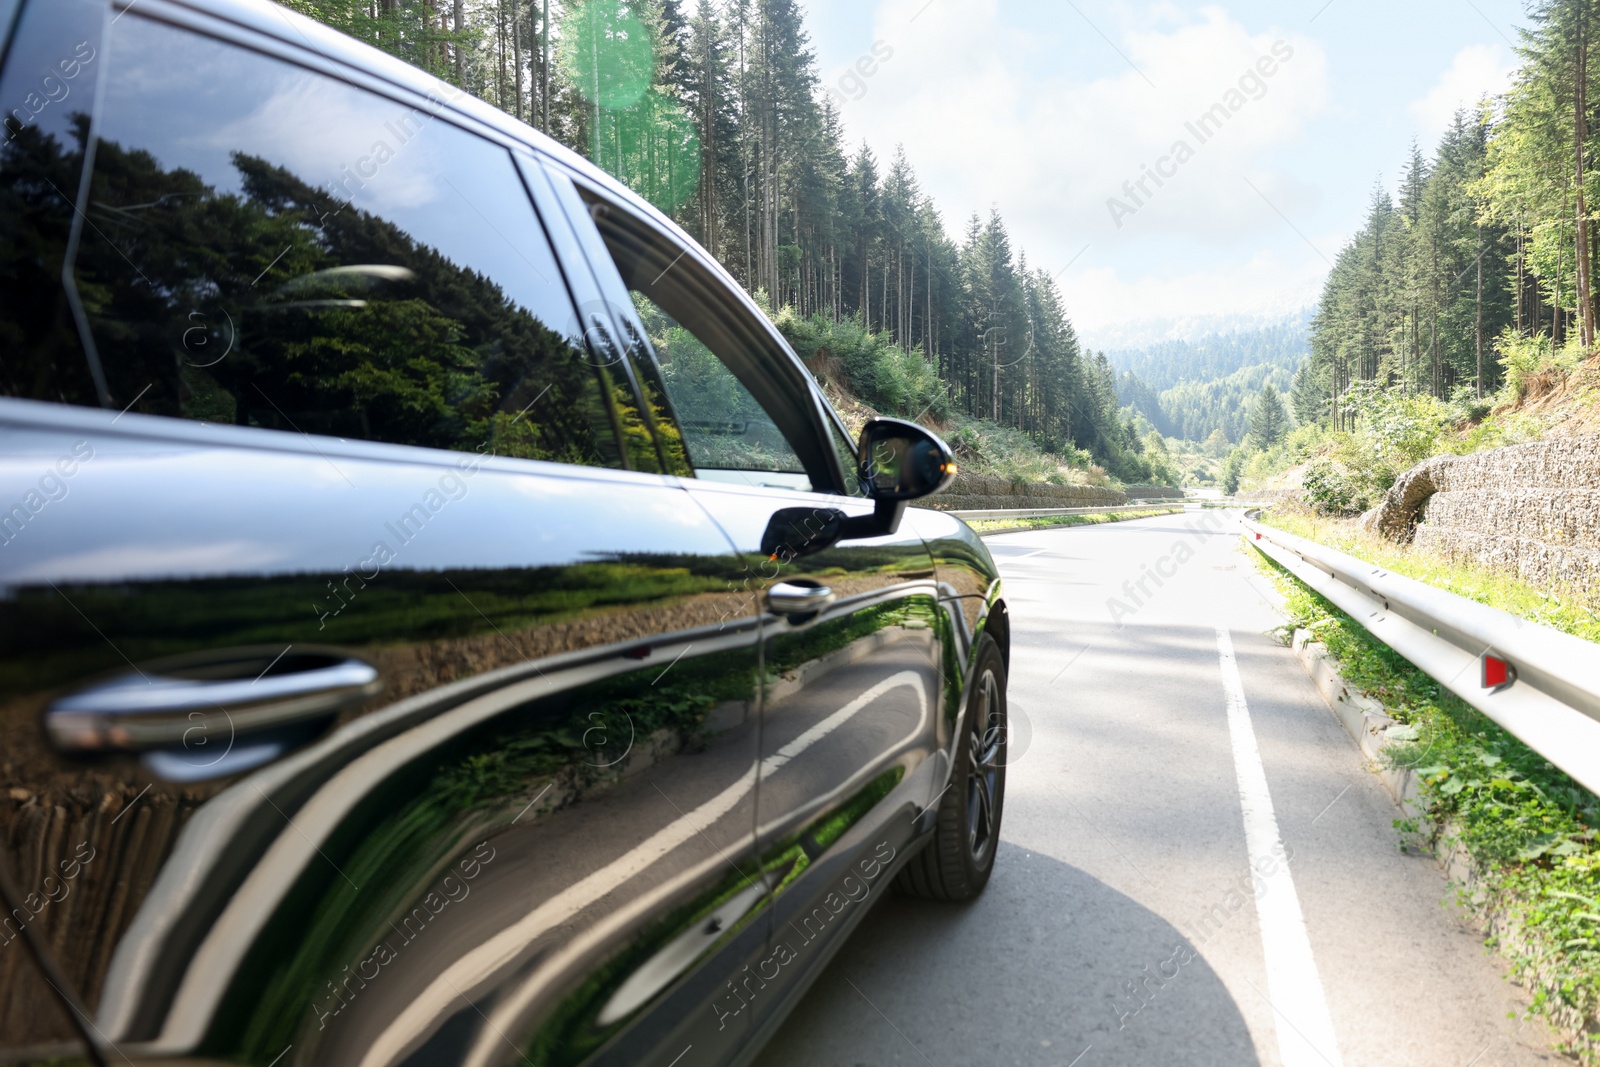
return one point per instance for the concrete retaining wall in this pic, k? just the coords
(984, 492)
(1154, 492)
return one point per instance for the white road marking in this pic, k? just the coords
(1305, 1032)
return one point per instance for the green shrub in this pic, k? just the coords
(1350, 471)
(1329, 489)
(1232, 468)
(1527, 358)
(1396, 431)
(863, 363)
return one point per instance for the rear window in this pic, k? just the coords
(47, 89)
(263, 245)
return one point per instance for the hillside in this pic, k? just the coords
(981, 445)
(1190, 389)
(865, 373)
(1342, 473)
(1215, 356)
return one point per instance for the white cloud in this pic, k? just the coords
(151, 561)
(346, 146)
(1050, 152)
(1102, 301)
(1477, 71)
(988, 116)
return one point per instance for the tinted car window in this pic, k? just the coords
(696, 349)
(725, 430)
(52, 64)
(267, 246)
(848, 460)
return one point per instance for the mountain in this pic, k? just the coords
(1153, 330)
(1187, 389)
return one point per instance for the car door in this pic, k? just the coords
(341, 590)
(854, 638)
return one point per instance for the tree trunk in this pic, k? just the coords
(866, 293)
(500, 57)
(884, 296)
(1478, 300)
(459, 15)
(1416, 341)
(516, 57)
(1580, 136)
(1435, 360)
(994, 391)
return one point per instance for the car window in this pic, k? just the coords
(725, 431)
(848, 460)
(41, 160)
(703, 353)
(267, 246)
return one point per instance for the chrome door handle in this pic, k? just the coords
(795, 598)
(236, 692)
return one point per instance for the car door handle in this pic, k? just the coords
(235, 693)
(798, 598)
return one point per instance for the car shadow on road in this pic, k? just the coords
(1042, 969)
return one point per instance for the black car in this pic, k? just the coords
(441, 621)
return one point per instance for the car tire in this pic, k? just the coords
(956, 863)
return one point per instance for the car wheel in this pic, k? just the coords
(956, 863)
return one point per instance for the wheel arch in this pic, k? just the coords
(997, 624)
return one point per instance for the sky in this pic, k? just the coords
(1053, 111)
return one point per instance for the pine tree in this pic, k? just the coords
(712, 110)
(1268, 422)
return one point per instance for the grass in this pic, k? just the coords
(985, 447)
(1571, 610)
(1527, 828)
(990, 526)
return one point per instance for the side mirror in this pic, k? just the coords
(795, 532)
(900, 460)
(897, 461)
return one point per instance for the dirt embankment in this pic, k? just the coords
(974, 489)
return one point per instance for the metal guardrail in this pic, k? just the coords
(1540, 684)
(1045, 513)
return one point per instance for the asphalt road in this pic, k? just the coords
(1161, 752)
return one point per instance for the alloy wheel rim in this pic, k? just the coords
(984, 765)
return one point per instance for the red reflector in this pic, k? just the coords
(1496, 672)
(1258, 537)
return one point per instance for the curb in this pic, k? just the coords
(1369, 726)
(1363, 719)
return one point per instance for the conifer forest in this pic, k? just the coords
(1477, 263)
(714, 110)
